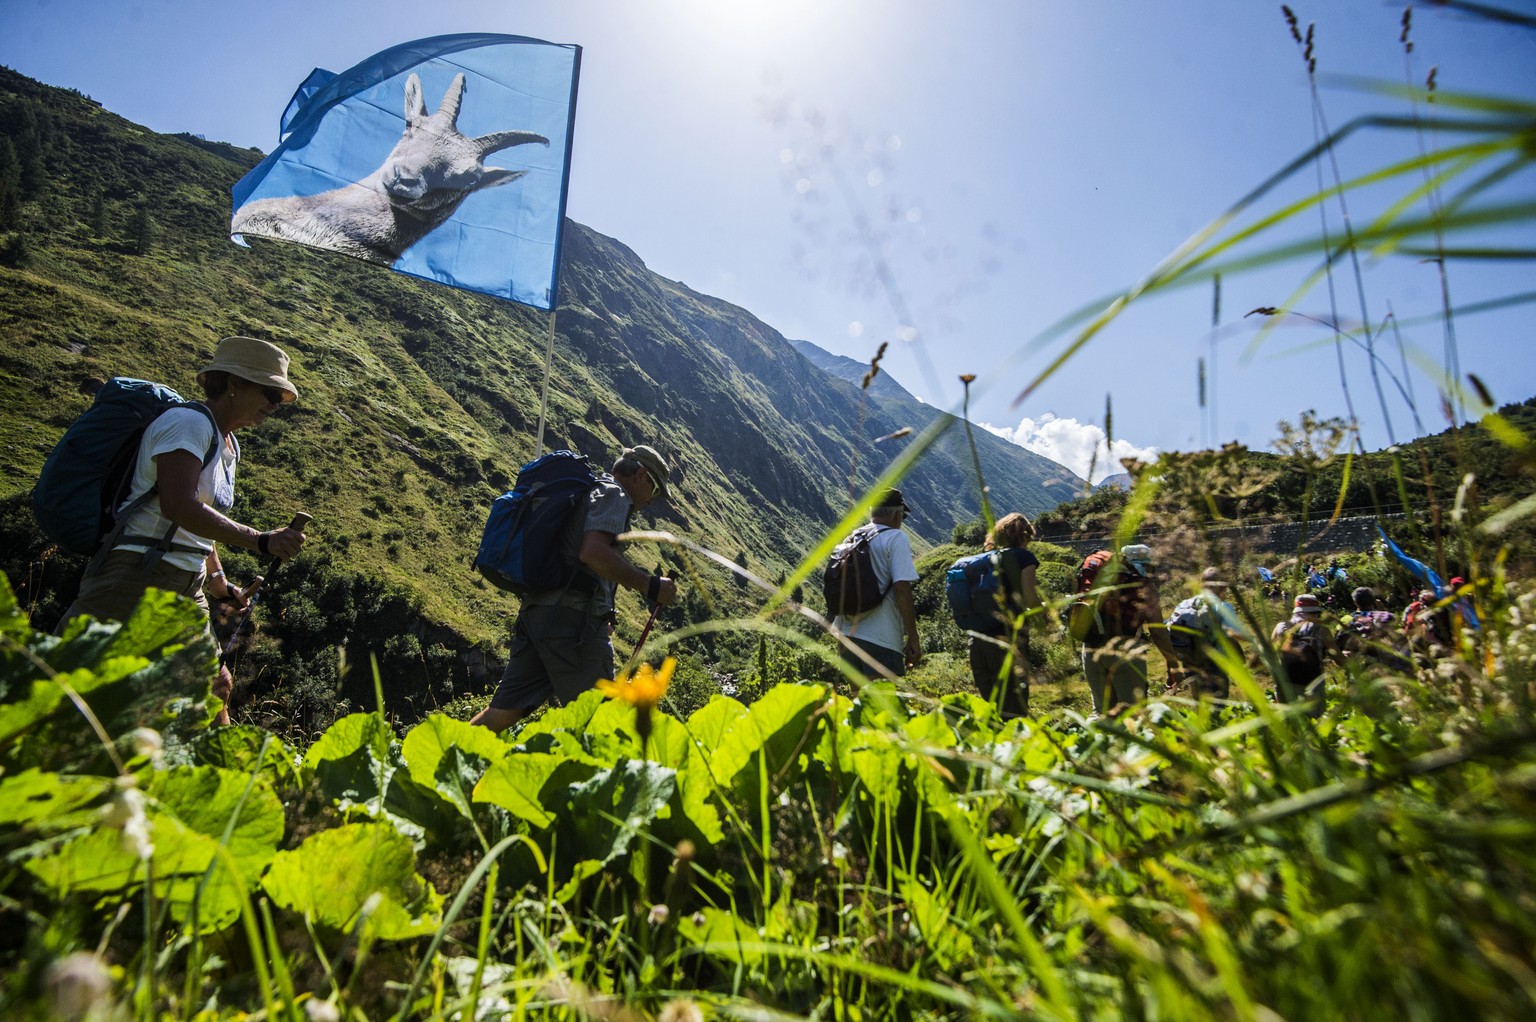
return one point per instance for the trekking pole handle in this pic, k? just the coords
(300, 520)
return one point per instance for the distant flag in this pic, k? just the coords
(1418, 569)
(446, 158)
(1423, 572)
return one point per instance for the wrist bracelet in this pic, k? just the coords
(653, 592)
(217, 574)
(262, 539)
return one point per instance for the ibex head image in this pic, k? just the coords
(432, 169)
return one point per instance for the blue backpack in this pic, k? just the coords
(521, 549)
(87, 476)
(970, 586)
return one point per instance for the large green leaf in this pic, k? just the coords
(930, 916)
(574, 717)
(780, 726)
(150, 670)
(36, 799)
(239, 747)
(881, 767)
(603, 816)
(190, 811)
(450, 756)
(709, 724)
(532, 785)
(333, 874)
(692, 813)
(351, 761)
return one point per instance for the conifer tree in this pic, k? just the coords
(143, 230)
(98, 215)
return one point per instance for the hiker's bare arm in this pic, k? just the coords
(598, 553)
(176, 473)
(1157, 631)
(901, 592)
(1031, 592)
(220, 587)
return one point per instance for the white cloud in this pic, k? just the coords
(1073, 444)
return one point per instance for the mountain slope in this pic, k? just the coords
(1018, 480)
(418, 402)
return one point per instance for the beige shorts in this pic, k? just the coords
(112, 593)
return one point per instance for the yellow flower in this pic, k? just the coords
(643, 689)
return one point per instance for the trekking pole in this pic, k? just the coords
(647, 629)
(253, 593)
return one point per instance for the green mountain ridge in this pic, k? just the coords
(418, 402)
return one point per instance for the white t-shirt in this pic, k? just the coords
(180, 429)
(891, 552)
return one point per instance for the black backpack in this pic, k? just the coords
(849, 583)
(1301, 654)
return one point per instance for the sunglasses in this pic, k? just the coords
(655, 483)
(274, 395)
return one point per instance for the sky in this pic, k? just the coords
(953, 180)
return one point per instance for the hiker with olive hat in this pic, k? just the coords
(560, 640)
(185, 464)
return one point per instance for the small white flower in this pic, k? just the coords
(682, 1010)
(76, 984)
(126, 813)
(1253, 884)
(659, 915)
(146, 743)
(136, 840)
(321, 1011)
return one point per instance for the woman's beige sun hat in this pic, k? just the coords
(250, 359)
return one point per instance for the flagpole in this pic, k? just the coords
(549, 363)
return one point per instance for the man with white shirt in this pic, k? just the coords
(879, 632)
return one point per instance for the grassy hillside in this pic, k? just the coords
(418, 402)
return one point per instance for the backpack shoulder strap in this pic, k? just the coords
(160, 547)
(213, 448)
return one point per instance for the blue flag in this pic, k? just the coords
(1417, 569)
(1423, 572)
(446, 158)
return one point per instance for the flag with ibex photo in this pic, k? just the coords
(446, 158)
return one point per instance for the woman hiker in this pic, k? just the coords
(246, 382)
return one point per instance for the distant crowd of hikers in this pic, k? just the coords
(144, 482)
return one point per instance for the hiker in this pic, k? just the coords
(879, 632)
(1016, 593)
(244, 384)
(1427, 627)
(1114, 661)
(1369, 632)
(1303, 643)
(560, 640)
(1195, 630)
